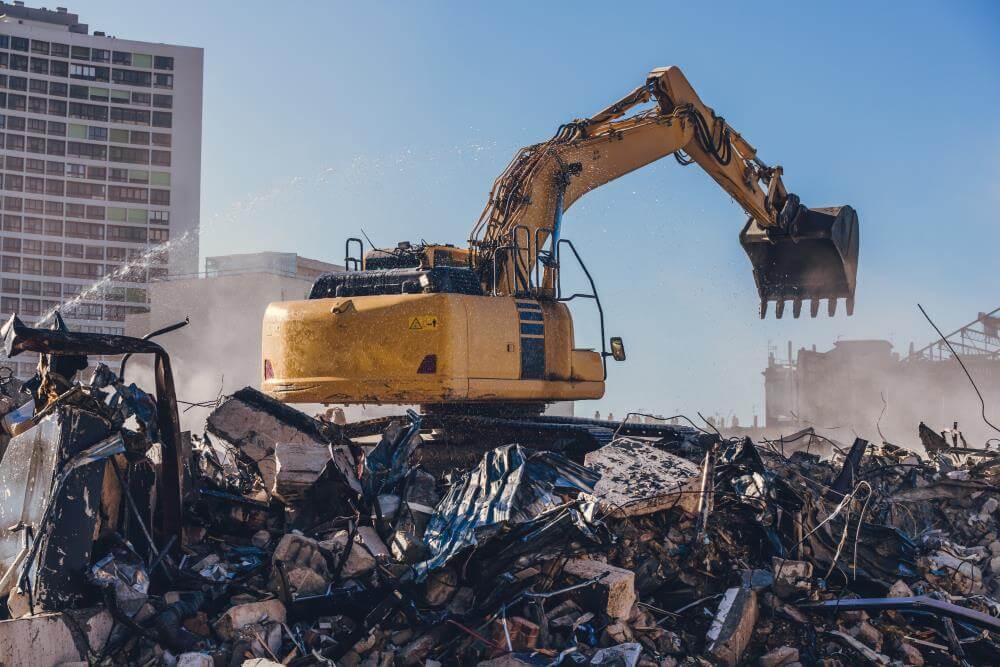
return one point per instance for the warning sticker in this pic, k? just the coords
(424, 323)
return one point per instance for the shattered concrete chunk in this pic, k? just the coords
(623, 655)
(791, 577)
(240, 616)
(732, 626)
(53, 638)
(195, 660)
(637, 478)
(613, 592)
(297, 467)
(779, 656)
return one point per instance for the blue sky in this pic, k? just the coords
(325, 117)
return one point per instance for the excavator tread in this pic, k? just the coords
(578, 434)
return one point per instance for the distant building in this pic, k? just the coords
(100, 150)
(220, 348)
(862, 387)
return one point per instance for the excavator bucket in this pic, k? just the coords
(816, 259)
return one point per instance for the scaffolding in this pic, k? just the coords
(980, 339)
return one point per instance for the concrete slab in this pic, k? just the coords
(637, 478)
(47, 640)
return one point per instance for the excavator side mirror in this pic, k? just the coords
(617, 348)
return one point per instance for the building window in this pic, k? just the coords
(126, 194)
(17, 102)
(161, 158)
(40, 86)
(56, 128)
(17, 83)
(130, 77)
(83, 72)
(34, 166)
(100, 55)
(59, 89)
(60, 50)
(159, 197)
(97, 173)
(52, 289)
(163, 62)
(36, 145)
(57, 108)
(12, 245)
(31, 307)
(9, 305)
(10, 264)
(159, 235)
(163, 119)
(118, 175)
(142, 99)
(40, 65)
(12, 223)
(84, 230)
(88, 111)
(163, 101)
(91, 151)
(59, 68)
(84, 190)
(161, 139)
(76, 170)
(56, 147)
(38, 46)
(128, 155)
(55, 168)
(19, 63)
(94, 252)
(31, 247)
(97, 133)
(34, 185)
(33, 225)
(53, 227)
(79, 92)
(121, 58)
(36, 125)
(139, 137)
(55, 188)
(132, 116)
(31, 266)
(164, 81)
(19, 43)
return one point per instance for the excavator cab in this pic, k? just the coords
(813, 257)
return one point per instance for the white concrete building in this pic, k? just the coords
(100, 164)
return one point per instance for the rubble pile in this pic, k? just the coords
(272, 538)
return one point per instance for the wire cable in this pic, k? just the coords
(982, 402)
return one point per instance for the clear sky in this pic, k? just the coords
(325, 117)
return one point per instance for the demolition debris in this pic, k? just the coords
(274, 538)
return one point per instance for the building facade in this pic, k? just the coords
(100, 161)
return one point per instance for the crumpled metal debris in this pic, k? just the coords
(296, 545)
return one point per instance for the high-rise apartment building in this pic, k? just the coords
(100, 168)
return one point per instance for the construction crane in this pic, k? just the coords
(485, 330)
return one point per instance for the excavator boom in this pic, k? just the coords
(796, 253)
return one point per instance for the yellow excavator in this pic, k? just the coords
(485, 330)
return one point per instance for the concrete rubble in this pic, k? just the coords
(274, 539)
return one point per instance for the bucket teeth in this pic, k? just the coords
(763, 309)
(850, 306)
(831, 306)
(779, 308)
(796, 308)
(813, 307)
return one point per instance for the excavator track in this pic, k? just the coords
(455, 437)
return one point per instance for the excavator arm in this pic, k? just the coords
(797, 253)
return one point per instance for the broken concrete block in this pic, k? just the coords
(791, 577)
(371, 542)
(779, 656)
(637, 478)
(240, 616)
(509, 660)
(614, 593)
(359, 560)
(261, 662)
(623, 655)
(297, 467)
(255, 423)
(910, 655)
(300, 551)
(194, 660)
(900, 590)
(304, 581)
(732, 626)
(51, 639)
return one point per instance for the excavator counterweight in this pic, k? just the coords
(817, 258)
